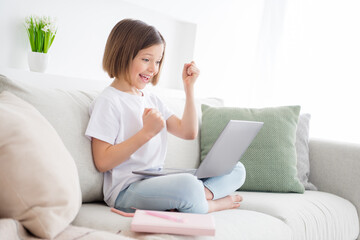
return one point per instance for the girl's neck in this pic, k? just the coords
(124, 86)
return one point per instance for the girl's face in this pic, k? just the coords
(145, 65)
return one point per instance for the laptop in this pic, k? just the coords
(227, 150)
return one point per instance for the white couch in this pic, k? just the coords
(331, 213)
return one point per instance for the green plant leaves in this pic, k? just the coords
(41, 32)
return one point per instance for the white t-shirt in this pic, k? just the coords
(116, 116)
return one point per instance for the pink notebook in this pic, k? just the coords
(173, 222)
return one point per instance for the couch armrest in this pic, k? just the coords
(335, 168)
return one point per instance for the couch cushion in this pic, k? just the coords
(12, 229)
(38, 178)
(312, 215)
(230, 224)
(270, 160)
(67, 112)
(302, 151)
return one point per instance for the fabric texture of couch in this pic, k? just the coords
(329, 213)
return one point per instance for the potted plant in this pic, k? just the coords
(41, 32)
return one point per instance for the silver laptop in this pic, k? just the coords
(224, 154)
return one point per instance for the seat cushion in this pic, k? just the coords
(230, 224)
(312, 215)
(12, 229)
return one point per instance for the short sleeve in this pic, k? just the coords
(165, 111)
(103, 128)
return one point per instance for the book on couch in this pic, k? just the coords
(173, 223)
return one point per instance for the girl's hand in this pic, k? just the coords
(190, 74)
(153, 121)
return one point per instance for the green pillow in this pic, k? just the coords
(270, 160)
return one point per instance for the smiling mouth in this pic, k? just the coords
(145, 78)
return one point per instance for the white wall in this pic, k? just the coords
(286, 52)
(83, 28)
(252, 53)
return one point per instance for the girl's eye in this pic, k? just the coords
(146, 60)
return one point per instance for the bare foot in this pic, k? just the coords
(228, 202)
(208, 194)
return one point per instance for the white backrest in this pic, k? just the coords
(65, 101)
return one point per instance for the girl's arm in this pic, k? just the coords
(187, 127)
(107, 156)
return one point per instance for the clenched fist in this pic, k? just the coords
(190, 73)
(153, 121)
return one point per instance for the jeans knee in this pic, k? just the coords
(193, 198)
(190, 185)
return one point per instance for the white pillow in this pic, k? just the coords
(302, 151)
(38, 177)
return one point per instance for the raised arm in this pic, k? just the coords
(187, 127)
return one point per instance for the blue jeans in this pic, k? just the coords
(183, 192)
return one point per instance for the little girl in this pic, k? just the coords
(128, 128)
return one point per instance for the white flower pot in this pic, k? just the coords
(38, 61)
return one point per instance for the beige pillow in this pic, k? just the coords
(39, 182)
(68, 112)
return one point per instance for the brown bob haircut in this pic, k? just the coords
(126, 39)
